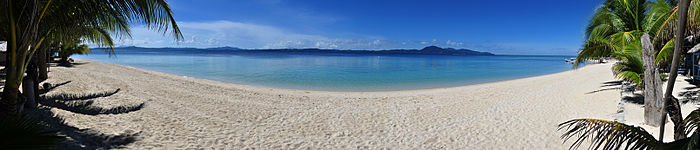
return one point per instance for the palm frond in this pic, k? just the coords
(630, 13)
(666, 28)
(594, 49)
(607, 135)
(692, 121)
(602, 16)
(666, 53)
(659, 13)
(629, 72)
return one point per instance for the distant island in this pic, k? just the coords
(430, 50)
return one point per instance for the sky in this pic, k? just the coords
(532, 27)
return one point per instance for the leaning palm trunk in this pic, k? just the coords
(680, 32)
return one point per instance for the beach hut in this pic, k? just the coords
(694, 66)
(3, 52)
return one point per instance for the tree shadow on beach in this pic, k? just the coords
(69, 65)
(611, 83)
(690, 81)
(48, 86)
(82, 104)
(615, 85)
(635, 99)
(81, 138)
(690, 94)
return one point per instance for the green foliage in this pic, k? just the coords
(26, 133)
(71, 47)
(610, 135)
(69, 50)
(664, 27)
(631, 66)
(617, 25)
(666, 53)
(611, 29)
(28, 24)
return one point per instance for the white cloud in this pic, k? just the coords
(227, 33)
(255, 36)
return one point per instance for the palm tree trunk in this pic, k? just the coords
(64, 58)
(682, 17)
(673, 107)
(30, 85)
(41, 58)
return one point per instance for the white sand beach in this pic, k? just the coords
(183, 112)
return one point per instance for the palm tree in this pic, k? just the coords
(615, 135)
(69, 49)
(617, 25)
(615, 31)
(630, 66)
(662, 22)
(613, 27)
(30, 23)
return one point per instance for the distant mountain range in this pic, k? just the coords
(430, 50)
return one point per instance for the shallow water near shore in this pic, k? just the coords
(334, 71)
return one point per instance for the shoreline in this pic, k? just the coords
(282, 88)
(183, 112)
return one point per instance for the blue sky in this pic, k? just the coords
(550, 27)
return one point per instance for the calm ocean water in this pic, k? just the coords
(333, 71)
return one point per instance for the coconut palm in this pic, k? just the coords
(612, 28)
(662, 24)
(630, 66)
(30, 23)
(615, 135)
(615, 31)
(617, 25)
(72, 48)
(664, 14)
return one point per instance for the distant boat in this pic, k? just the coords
(570, 60)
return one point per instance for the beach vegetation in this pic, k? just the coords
(612, 135)
(615, 135)
(31, 24)
(33, 28)
(616, 27)
(69, 49)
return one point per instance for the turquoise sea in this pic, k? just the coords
(334, 71)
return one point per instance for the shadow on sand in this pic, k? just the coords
(48, 87)
(82, 104)
(614, 85)
(68, 65)
(635, 99)
(689, 94)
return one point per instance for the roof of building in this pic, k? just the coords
(695, 49)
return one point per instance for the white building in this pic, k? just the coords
(3, 46)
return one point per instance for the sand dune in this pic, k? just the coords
(181, 112)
